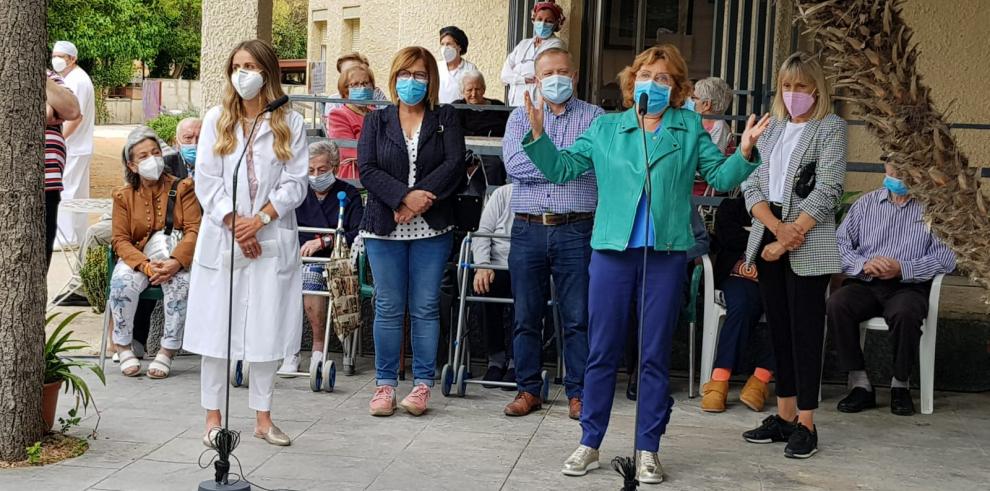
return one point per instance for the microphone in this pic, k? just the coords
(277, 103)
(643, 101)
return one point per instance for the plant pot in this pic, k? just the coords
(49, 402)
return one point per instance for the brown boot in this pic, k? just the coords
(523, 404)
(713, 395)
(574, 408)
(754, 394)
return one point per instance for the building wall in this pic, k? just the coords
(389, 25)
(226, 23)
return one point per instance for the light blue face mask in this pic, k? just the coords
(188, 152)
(410, 90)
(320, 183)
(688, 104)
(542, 30)
(658, 96)
(895, 185)
(557, 88)
(360, 93)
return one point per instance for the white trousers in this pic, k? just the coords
(213, 379)
(126, 286)
(75, 184)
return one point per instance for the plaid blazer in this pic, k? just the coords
(826, 142)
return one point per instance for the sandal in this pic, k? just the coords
(162, 363)
(128, 361)
(210, 436)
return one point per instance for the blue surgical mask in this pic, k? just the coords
(542, 30)
(320, 183)
(895, 185)
(557, 88)
(658, 96)
(360, 93)
(188, 152)
(410, 90)
(689, 104)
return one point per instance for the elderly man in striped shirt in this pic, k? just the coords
(551, 237)
(891, 256)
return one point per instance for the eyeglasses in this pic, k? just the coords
(359, 85)
(663, 78)
(419, 76)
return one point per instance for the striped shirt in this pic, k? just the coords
(54, 149)
(876, 226)
(533, 193)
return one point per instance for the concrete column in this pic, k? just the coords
(226, 23)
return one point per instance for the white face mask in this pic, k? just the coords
(247, 83)
(151, 168)
(58, 64)
(448, 52)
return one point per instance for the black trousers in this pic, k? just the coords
(52, 199)
(498, 332)
(903, 306)
(795, 310)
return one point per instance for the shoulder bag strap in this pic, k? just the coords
(170, 208)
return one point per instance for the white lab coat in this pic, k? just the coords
(267, 320)
(518, 67)
(450, 81)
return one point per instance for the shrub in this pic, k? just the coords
(94, 277)
(164, 125)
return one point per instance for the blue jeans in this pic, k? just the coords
(744, 307)
(407, 274)
(615, 279)
(538, 253)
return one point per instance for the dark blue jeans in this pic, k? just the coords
(744, 307)
(538, 253)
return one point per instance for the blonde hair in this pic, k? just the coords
(405, 59)
(233, 106)
(675, 65)
(804, 67)
(345, 78)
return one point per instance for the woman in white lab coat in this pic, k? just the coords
(518, 71)
(271, 183)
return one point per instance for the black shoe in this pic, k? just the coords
(74, 300)
(774, 429)
(900, 401)
(510, 376)
(857, 400)
(494, 374)
(631, 391)
(803, 443)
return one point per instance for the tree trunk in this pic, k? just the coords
(23, 56)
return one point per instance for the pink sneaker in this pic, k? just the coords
(383, 403)
(415, 403)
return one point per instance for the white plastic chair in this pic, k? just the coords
(714, 315)
(926, 357)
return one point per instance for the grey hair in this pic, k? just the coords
(715, 90)
(471, 75)
(138, 135)
(325, 147)
(184, 122)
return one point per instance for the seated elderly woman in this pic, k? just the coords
(482, 123)
(321, 210)
(144, 210)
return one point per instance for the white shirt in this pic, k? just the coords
(780, 157)
(519, 66)
(450, 80)
(80, 142)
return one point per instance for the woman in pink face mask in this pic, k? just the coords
(793, 197)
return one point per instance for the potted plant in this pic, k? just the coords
(58, 370)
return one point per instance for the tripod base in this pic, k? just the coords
(212, 485)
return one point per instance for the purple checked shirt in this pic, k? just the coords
(876, 226)
(532, 193)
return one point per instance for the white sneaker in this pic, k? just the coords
(290, 367)
(313, 360)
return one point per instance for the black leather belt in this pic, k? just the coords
(554, 219)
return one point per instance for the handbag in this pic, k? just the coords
(163, 242)
(805, 182)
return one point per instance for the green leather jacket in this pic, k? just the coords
(613, 147)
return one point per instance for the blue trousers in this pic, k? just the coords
(407, 274)
(539, 252)
(615, 284)
(744, 307)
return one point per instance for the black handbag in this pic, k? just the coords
(805, 182)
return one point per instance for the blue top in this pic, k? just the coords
(643, 234)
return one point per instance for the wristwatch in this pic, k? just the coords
(264, 217)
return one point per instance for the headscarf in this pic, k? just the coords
(458, 35)
(557, 11)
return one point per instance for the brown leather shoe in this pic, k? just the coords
(574, 408)
(523, 404)
(754, 394)
(713, 395)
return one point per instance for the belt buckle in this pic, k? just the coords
(544, 217)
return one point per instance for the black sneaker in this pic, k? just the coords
(510, 376)
(774, 429)
(803, 443)
(494, 374)
(900, 401)
(631, 391)
(858, 400)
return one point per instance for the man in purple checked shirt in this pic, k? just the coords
(551, 238)
(891, 257)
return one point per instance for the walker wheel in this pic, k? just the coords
(316, 377)
(462, 376)
(446, 380)
(545, 391)
(329, 375)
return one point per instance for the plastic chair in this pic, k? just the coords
(926, 349)
(714, 315)
(150, 293)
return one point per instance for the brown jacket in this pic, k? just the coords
(138, 213)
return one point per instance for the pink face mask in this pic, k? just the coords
(798, 103)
